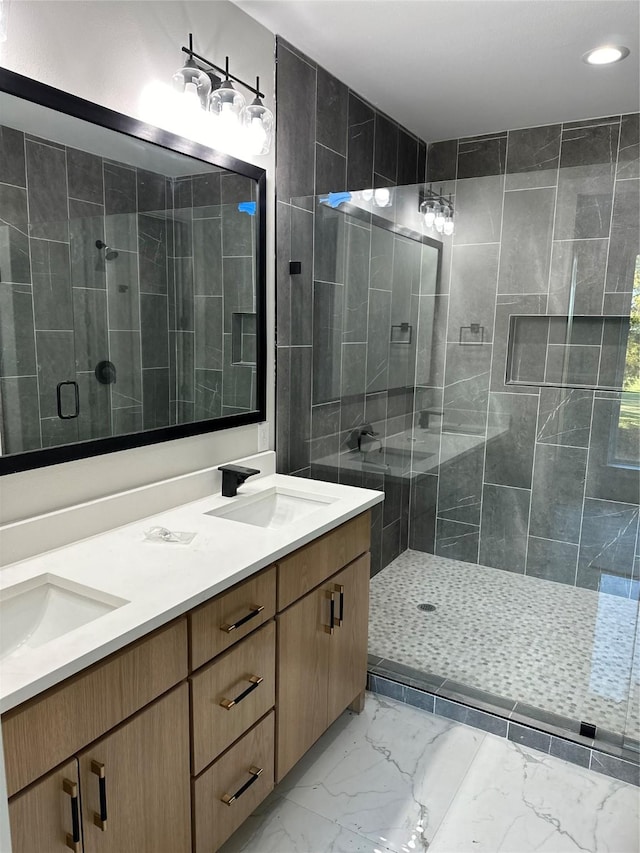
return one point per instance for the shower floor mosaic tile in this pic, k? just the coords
(561, 649)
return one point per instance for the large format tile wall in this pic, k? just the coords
(330, 139)
(541, 494)
(151, 303)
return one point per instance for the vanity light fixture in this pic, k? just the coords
(437, 211)
(605, 55)
(380, 197)
(233, 125)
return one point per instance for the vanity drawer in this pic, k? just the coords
(307, 567)
(211, 624)
(218, 720)
(47, 730)
(235, 773)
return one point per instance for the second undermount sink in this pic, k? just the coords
(37, 611)
(272, 508)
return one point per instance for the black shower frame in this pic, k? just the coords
(20, 86)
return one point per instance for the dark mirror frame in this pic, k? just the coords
(55, 99)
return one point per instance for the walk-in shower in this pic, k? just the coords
(489, 383)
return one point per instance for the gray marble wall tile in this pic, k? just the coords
(155, 398)
(91, 333)
(283, 409)
(332, 112)
(565, 416)
(51, 277)
(460, 480)
(629, 150)
(302, 285)
(615, 767)
(238, 289)
(127, 419)
(572, 365)
(181, 364)
(331, 171)
(525, 251)
(569, 751)
(14, 242)
(503, 532)
(553, 561)
(607, 543)
(390, 542)
(577, 276)
(56, 363)
(432, 334)
(407, 158)
(406, 278)
(237, 382)
(12, 164)
(354, 366)
(329, 245)
(237, 232)
(17, 337)
(56, 431)
(124, 349)
(206, 193)
(235, 188)
(529, 737)
(379, 328)
(467, 386)
(85, 176)
(442, 161)
(86, 227)
(154, 329)
(479, 210)
(296, 86)
(474, 275)
(423, 501)
(120, 231)
(119, 189)
(20, 414)
(505, 307)
(183, 193)
(604, 480)
(533, 155)
(327, 341)
(153, 252)
(94, 420)
(381, 261)
(123, 292)
(284, 254)
(360, 144)
(47, 191)
(482, 156)
(511, 429)
(457, 541)
(208, 394)
(386, 148)
(356, 283)
(300, 406)
(624, 244)
(325, 419)
(470, 716)
(558, 471)
(151, 191)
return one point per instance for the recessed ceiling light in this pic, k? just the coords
(605, 55)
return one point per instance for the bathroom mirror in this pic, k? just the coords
(132, 282)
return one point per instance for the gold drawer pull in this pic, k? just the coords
(255, 680)
(254, 772)
(254, 610)
(73, 840)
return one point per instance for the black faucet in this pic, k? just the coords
(234, 476)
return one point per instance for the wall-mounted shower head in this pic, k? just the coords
(109, 254)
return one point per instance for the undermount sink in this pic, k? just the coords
(273, 508)
(45, 607)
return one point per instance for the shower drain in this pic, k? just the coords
(427, 608)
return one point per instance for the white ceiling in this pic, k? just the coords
(452, 68)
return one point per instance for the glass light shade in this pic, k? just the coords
(439, 219)
(429, 215)
(192, 82)
(448, 225)
(367, 195)
(257, 121)
(227, 101)
(382, 197)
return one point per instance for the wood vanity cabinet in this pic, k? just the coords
(180, 736)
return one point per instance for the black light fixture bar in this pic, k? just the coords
(429, 194)
(225, 71)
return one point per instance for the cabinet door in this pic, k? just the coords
(303, 659)
(139, 777)
(46, 818)
(348, 646)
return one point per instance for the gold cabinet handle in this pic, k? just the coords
(254, 610)
(100, 820)
(72, 839)
(339, 588)
(332, 613)
(256, 681)
(254, 772)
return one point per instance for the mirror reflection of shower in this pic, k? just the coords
(109, 253)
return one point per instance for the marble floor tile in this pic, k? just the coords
(389, 774)
(516, 799)
(281, 826)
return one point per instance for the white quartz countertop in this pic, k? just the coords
(162, 580)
